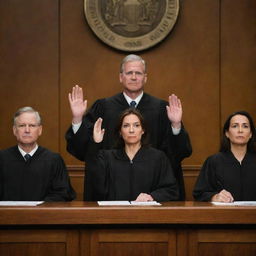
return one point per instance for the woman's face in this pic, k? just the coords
(239, 132)
(131, 130)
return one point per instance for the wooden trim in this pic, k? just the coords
(78, 212)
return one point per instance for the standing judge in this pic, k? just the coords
(230, 175)
(29, 172)
(132, 171)
(163, 119)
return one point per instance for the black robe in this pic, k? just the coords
(115, 177)
(176, 147)
(43, 177)
(223, 171)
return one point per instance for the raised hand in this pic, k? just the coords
(77, 104)
(98, 133)
(174, 111)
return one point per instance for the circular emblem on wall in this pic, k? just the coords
(131, 25)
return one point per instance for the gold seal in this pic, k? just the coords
(131, 25)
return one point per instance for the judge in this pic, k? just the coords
(230, 175)
(29, 172)
(132, 171)
(163, 119)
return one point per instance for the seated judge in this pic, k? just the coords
(132, 171)
(164, 119)
(29, 172)
(230, 175)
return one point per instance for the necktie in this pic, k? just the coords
(27, 157)
(133, 104)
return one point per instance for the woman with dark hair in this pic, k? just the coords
(230, 175)
(133, 171)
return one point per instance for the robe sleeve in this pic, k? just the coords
(60, 188)
(97, 172)
(166, 188)
(179, 145)
(207, 185)
(77, 143)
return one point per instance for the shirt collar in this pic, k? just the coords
(129, 100)
(32, 152)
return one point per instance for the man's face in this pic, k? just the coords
(26, 129)
(133, 77)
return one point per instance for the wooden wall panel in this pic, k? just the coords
(222, 242)
(33, 242)
(238, 57)
(29, 65)
(133, 242)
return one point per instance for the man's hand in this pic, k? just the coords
(174, 111)
(77, 104)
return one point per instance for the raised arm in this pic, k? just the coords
(174, 111)
(77, 104)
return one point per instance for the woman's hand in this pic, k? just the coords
(98, 133)
(143, 197)
(224, 196)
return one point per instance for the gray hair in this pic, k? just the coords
(130, 58)
(27, 110)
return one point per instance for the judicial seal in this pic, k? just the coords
(131, 25)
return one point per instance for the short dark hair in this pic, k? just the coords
(225, 142)
(130, 111)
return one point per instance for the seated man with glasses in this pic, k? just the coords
(29, 172)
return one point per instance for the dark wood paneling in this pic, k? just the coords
(77, 180)
(25, 242)
(238, 57)
(133, 242)
(222, 242)
(29, 65)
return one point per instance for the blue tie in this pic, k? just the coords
(133, 104)
(27, 157)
